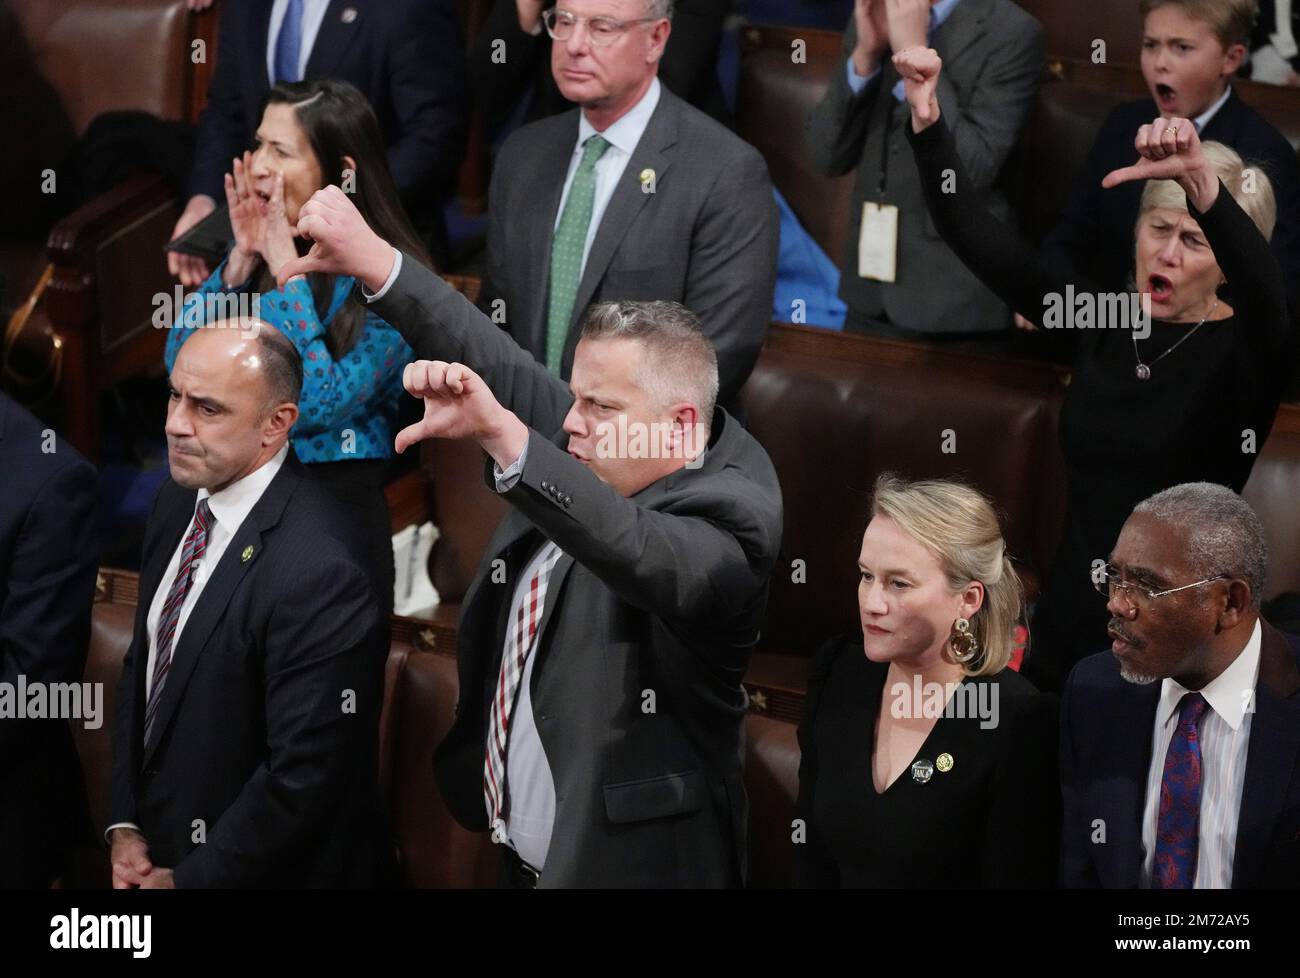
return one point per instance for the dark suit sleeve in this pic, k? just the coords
(813, 867)
(691, 54)
(121, 802)
(1076, 824)
(733, 268)
(50, 583)
(223, 131)
(985, 125)
(441, 324)
(703, 569)
(498, 85)
(993, 251)
(322, 641)
(425, 79)
(1078, 232)
(496, 273)
(1024, 821)
(1251, 271)
(837, 127)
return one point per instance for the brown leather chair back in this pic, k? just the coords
(772, 783)
(775, 96)
(434, 850)
(835, 411)
(1273, 491)
(101, 55)
(1071, 28)
(465, 511)
(111, 626)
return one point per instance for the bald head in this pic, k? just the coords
(233, 399)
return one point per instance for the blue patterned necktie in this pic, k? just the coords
(1179, 818)
(288, 44)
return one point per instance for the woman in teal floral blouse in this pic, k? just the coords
(313, 134)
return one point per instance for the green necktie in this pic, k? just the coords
(566, 251)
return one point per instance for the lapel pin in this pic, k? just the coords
(944, 762)
(349, 15)
(922, 771)
(647, 181)
(247, 555)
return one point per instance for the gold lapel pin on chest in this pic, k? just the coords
(247, 555)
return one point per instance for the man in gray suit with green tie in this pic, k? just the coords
(899, 278)
(633, 195)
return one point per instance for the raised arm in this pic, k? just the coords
(435, 320)
(699, 563)
(1170, 149)
(988, 247)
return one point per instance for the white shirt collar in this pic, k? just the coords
(1229, 694)
(1203, 120)
(232, 504)
(627, 131)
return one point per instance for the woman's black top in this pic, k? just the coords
(992, 819)
(1125, 438)
(1207, 408)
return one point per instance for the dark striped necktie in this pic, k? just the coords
(196, 543)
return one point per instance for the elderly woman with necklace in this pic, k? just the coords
(1191, 399)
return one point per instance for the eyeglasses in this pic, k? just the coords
(1139, 595)
(603, 31)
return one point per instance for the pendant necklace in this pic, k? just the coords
(1143, 370)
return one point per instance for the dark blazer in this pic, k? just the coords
(406, 56)
(992, 53)
(1106, 726)
(689, 65)
(256, 733)
(1095, 232)
(49, 552)
(707, 237)
(991, 820)
(660, 592)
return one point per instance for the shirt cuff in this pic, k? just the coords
(507, 478)
(388, 283)
(856, 82)
(108, 832)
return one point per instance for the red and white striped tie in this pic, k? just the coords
(528, 615)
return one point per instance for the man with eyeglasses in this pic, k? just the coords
(509, 63)
(633, 195)
(1179, 747)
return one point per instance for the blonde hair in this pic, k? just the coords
(1254, 194)
(959, 526)
(1230, 20)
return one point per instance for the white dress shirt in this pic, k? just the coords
(622, 137)
(313, 15)
(1225, 738)
(230, 507)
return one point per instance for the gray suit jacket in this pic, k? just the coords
(707, 237)
(992, 54)
(661, 593)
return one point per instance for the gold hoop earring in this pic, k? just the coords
(962, 641)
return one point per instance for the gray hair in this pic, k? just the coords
(679, 364)
(1224, 535)
(659, 8)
